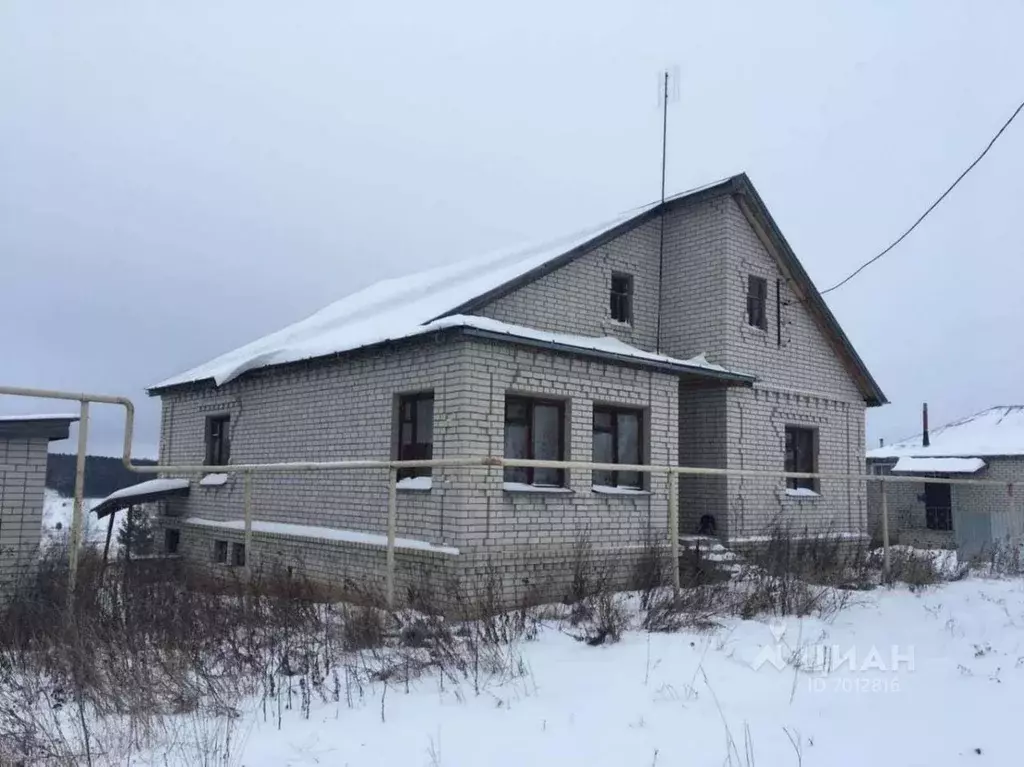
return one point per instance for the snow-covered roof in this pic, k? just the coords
(391, 309)
(150, 490)
(405, 307)
(996, 431)
(41, 417)
(909, 465)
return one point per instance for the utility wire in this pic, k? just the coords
(931, 207)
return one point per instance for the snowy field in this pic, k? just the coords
(933, 678)
(57, 513)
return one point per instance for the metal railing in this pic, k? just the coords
(493, 462)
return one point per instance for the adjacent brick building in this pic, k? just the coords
(988, 445)
(23, 446)
(715, 351)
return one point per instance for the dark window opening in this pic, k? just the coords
(801, 456)
(617, 439)
(757, 302)
(218, 440)
(415, 432)
(622, 298)
(534, 428)
(220, 552)
(938, 506)
(172, 539)
(238, 554)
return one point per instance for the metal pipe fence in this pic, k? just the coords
(672, 473)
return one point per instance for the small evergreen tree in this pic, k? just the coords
(136, 536)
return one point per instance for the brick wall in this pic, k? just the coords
(22, 480)
(344, 410)
(907, 511)
(575, 298)
(702, 443)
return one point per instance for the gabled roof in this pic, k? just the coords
(996, 431)
(406, 307)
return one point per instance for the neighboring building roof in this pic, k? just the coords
(150, 490)
(996, 431)
(909, 465)
(51, 426)
(405, 307)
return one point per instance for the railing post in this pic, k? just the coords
(247, 494)
(673, 525)
(392, 513)
(76, 514)
(885, 529)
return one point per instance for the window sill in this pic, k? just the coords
(522, 487)
(609, 324)
(415, 485)
(802, 493)
(614, 490)
(213, 480)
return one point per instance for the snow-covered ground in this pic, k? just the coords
(932, 678)
(57, 510)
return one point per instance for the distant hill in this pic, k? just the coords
(103, 474)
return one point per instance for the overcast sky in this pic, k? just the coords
(177, 179)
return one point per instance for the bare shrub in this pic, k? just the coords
(801, 574)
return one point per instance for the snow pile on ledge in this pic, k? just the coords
(909, 465)
(324, 533)
(415, 483)
(213, 480)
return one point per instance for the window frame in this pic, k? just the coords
(757, 302)
(413, 399)
(220, 552)
(531, 402)
(797, 465)
(614, 411)
(218, 449)
(169, 534)
(621, 299)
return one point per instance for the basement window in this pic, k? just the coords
(617, 439)
(238, 554)
(535, 428)
(220, 552)
(622, 297)
(415, 432)
(172, 540)
(801, 456)
(757, 302)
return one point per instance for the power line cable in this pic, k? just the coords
(931, 207)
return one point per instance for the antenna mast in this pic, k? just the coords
(661, 232)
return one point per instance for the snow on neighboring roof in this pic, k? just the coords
(910, 465)
(996, 431)
(146, 488)
(41, 417)
(396, 308)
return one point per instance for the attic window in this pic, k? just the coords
(622, 297)
(757, 301)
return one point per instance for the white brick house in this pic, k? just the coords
(988, 445)
(721, 353)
